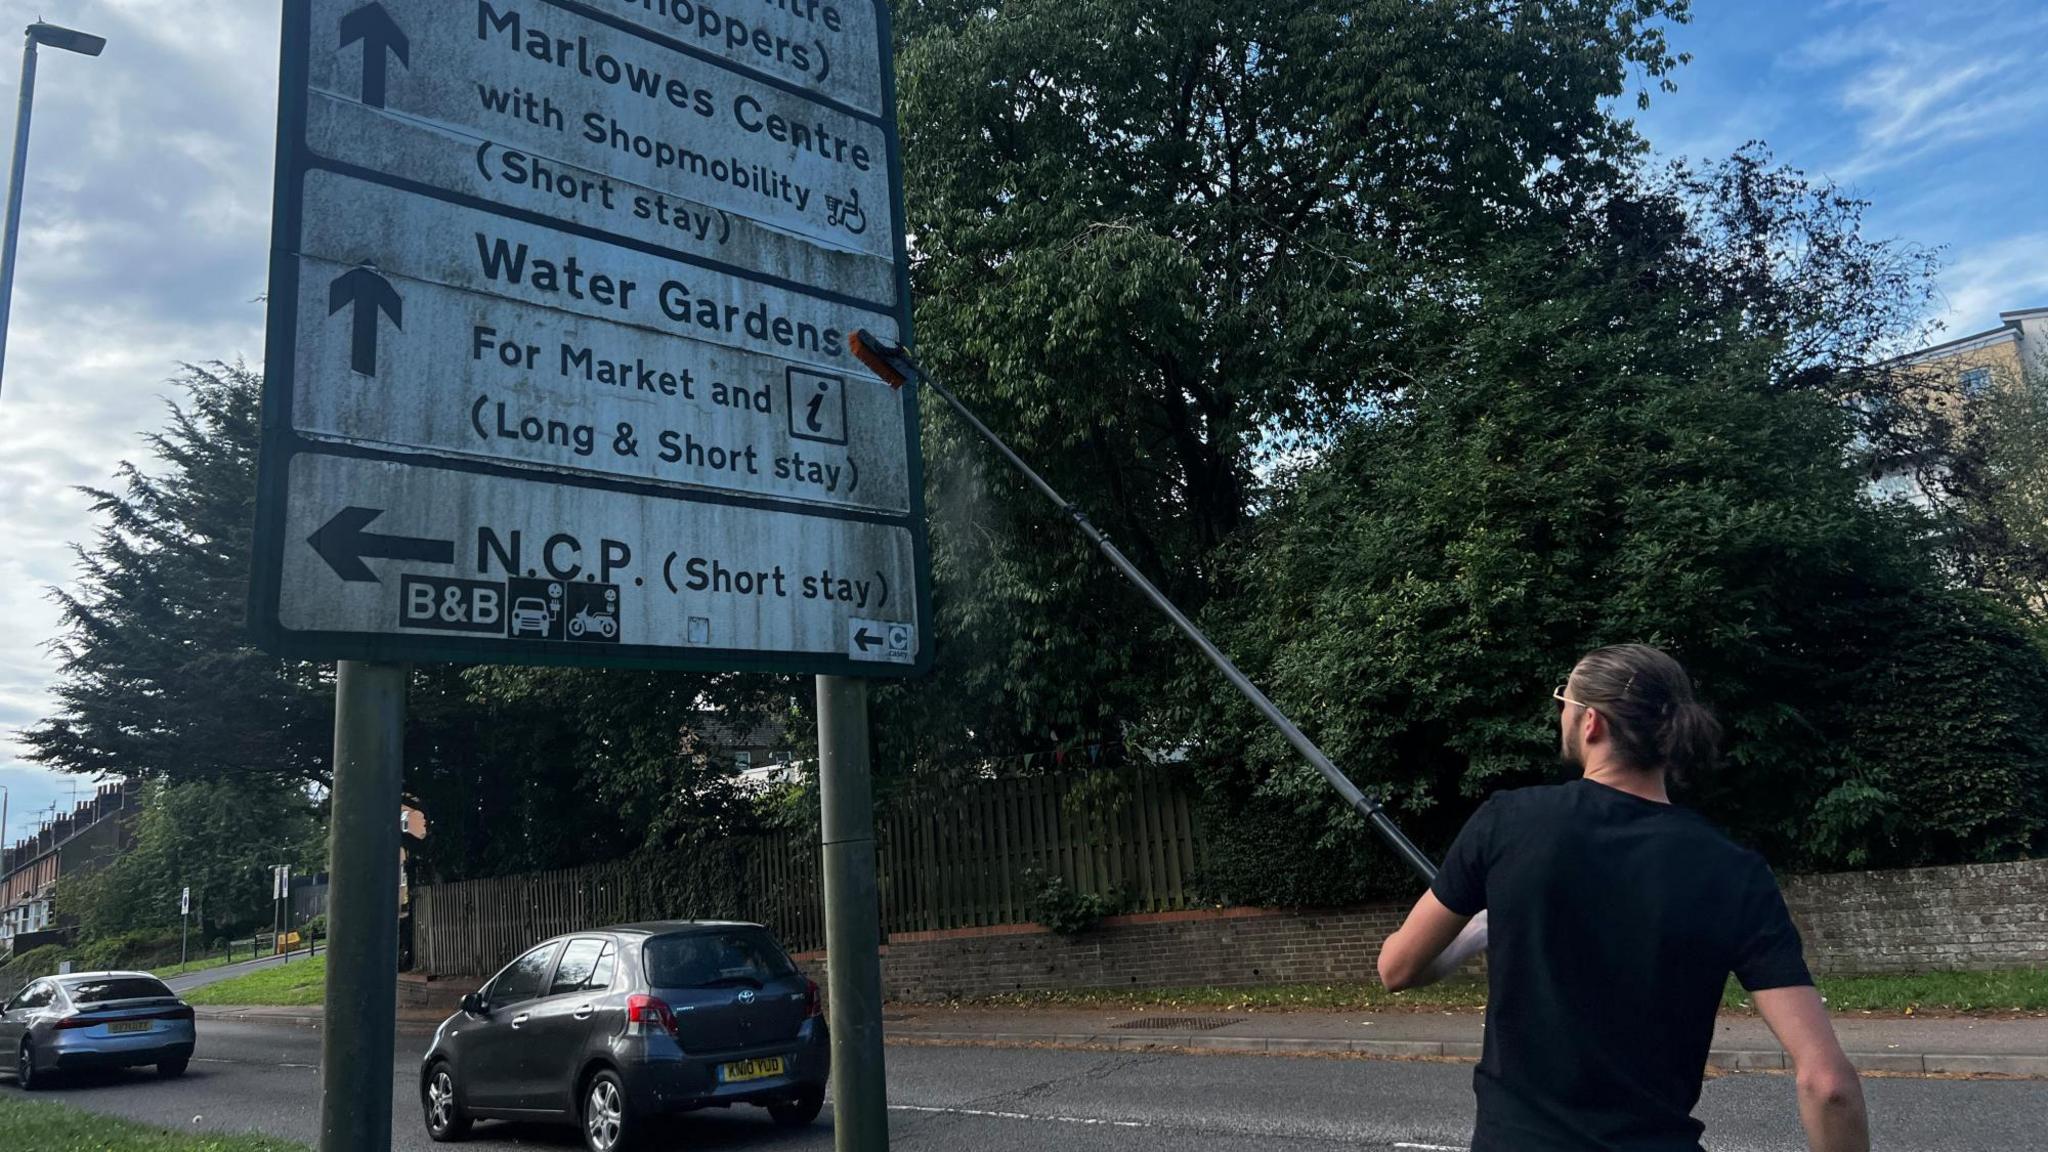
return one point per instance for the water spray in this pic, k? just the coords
(892, 362)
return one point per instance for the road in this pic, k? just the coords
(265, 1077)
(203, 977)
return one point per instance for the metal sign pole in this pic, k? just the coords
(853, 930)
(362, 955)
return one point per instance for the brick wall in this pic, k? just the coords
(1167, 949)
(1978, 916)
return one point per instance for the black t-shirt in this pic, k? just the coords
(1613, 923)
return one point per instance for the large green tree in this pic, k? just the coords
(1159, 243)
(156, 674)
(1598, 458)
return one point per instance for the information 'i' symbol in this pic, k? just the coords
(817, 424)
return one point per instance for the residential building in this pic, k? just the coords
(1966, 367)
(82, 841)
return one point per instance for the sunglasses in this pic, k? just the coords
(1558, 695)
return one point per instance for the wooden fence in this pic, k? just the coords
(965, 859)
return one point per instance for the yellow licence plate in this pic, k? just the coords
(740, 1070)
(120, 1026)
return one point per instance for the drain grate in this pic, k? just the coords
(1178, 1023)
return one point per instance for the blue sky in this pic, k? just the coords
(147, 218)
(1936, 111)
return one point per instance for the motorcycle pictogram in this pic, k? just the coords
(587, 622)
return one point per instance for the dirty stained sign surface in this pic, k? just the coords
(559, 365)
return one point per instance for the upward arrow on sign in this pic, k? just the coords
(370, 294)
(379, 34)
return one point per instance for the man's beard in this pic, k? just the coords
(1569, 755)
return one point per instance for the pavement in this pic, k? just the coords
(262, 1075)
(1919, 1045)
(1905, 1046)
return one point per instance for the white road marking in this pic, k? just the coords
(985, 1115)
(1434, 1147)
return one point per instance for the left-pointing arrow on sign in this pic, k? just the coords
(379, 34)
(369, 294)
(344, 545)
(866, 639)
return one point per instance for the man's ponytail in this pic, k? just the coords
(1689, 742)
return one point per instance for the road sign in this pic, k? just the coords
(184, 902)
(558, 369)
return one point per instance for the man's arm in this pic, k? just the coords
(1433, 943)
(1830, 1095)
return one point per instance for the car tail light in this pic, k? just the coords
(814, 1004)
(646, 1013)
(89, 1020)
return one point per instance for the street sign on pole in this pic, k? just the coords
(559, 372)
(184, 902)
(558, 366)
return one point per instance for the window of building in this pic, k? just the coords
(1976, 382)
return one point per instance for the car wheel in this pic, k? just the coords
(26, 1075)
(799, 1112)
(608, 1124)
(446, 1121)
(172, 1069)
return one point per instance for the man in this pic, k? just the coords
(1612, 919)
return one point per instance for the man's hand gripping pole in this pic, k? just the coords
(892, 362)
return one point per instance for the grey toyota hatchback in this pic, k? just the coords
(616, 1028)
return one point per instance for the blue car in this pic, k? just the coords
(95, 1020)
(613, 1028)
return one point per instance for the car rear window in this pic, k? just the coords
(100, 990)
(698, 959)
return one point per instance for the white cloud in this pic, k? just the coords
(1918, 81)
(2004, 276)
(144, 242)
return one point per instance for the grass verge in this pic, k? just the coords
(1926, 993)
(303, 981)
(41, 1126)
(2017, 993)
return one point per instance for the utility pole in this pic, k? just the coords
(362, 908)
(69, 40)
(853, 929)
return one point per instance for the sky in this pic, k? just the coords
(146, 221)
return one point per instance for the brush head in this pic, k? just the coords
(885, 358)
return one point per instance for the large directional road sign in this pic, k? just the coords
(558, 367)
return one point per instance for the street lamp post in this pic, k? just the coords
(70, 41)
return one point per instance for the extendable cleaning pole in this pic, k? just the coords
(892, 362)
